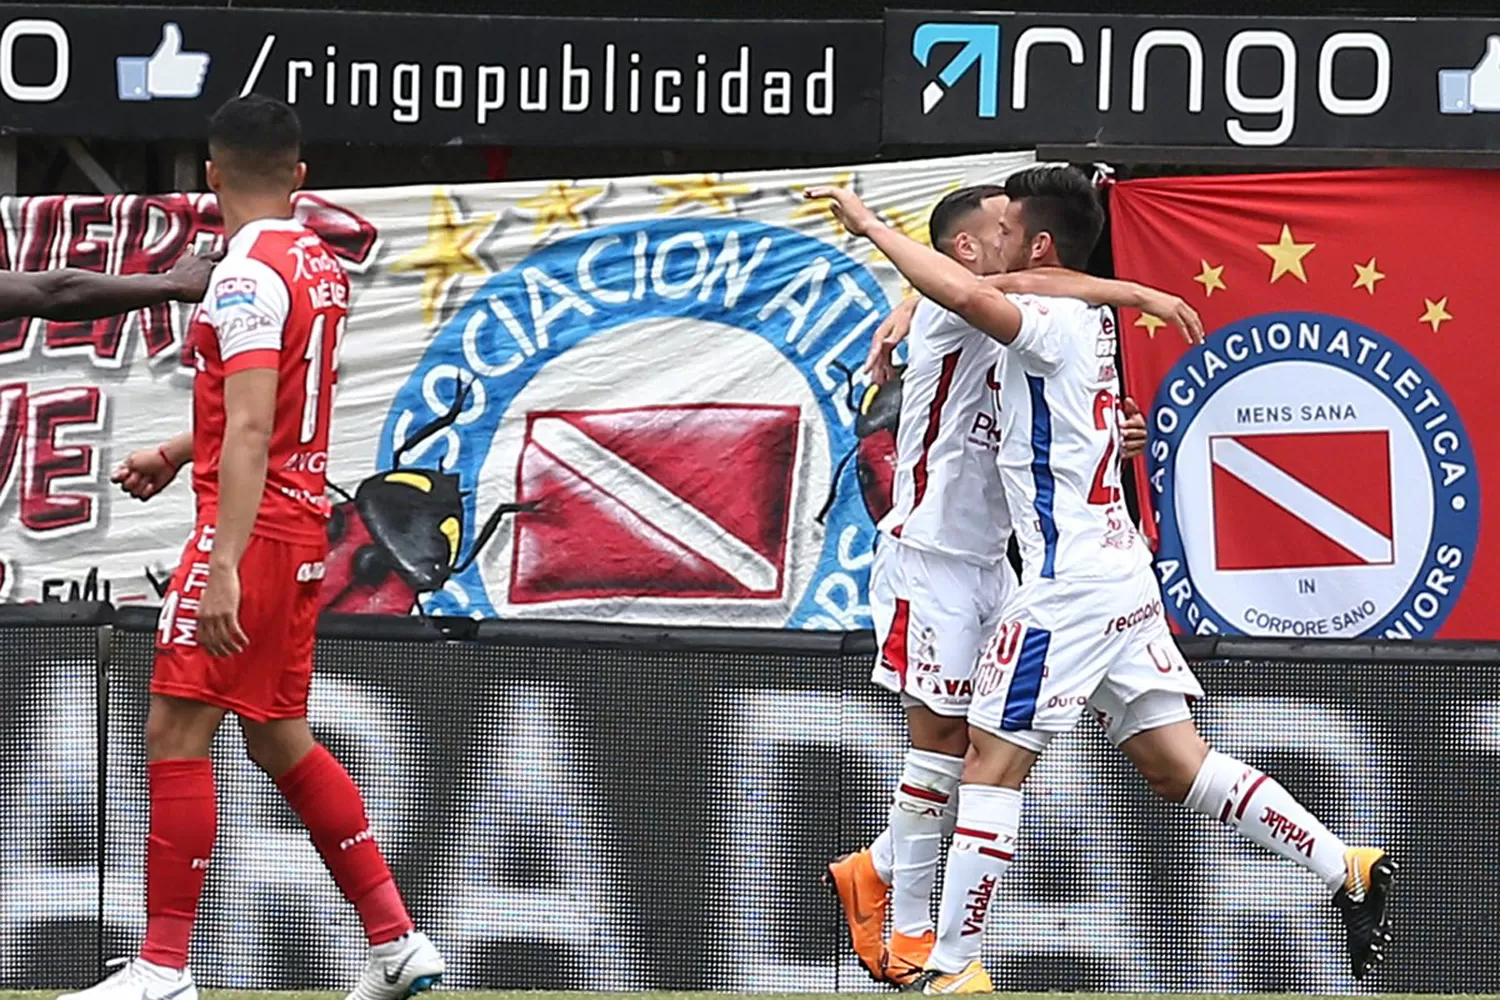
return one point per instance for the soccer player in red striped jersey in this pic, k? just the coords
(238, 620)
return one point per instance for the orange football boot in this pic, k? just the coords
(864, 897)
(906, 956)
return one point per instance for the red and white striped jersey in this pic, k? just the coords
(277, 300)
(949, 497)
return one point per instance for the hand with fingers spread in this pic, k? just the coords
(852, 213)
(219, 631)
(880, 365)
(1132, 430)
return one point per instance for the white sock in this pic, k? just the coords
(923, 798)
(984, 845)
(1259, 808)
(883, 855)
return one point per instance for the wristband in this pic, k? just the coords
(162, 451)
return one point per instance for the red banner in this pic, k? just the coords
(1317, 467)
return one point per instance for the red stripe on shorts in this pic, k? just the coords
(893, 653)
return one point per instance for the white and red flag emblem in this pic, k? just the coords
(1302, 500)
(678, 501)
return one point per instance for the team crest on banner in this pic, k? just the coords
(711, 354)
(1317, 468)
(631, 399)
(1319, 449)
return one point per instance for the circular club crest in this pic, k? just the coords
(663, 405)
(1311, 480)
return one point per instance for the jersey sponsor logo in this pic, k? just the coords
(1311, 479)
(234, 291)
(671, 498)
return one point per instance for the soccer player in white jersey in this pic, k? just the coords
(941, 576)
(1086, 626)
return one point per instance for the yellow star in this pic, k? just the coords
(449, 253)
(1212, 278)
(1287, 255)
(707, 189)
(1437, 313)
(1367, 276)
(560, 205)
(1151, 323)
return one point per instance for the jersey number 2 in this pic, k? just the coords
(312, 387)
(1105, 418)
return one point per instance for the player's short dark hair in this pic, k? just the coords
(1061, 201)
(947, 214)
(256, 137)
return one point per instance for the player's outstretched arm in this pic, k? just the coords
(73, 294)
(1063, 283)
(249, 416)
(148, 471)
(941, 279)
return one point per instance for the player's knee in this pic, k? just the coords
(276, 747)
(179, 730)
(939, 734)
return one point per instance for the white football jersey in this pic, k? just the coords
(948, 495)
(1060, 444)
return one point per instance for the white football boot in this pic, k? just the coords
(139, 980)
(403, 968)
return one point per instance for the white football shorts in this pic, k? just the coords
(933, 614)
(1062, 647)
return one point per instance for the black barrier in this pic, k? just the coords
(597, 807)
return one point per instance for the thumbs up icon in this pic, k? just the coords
(167, 72)
(1464, 91)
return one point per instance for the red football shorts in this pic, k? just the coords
(278, 614)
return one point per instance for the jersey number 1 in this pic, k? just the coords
(312, 387)
(1105, 418)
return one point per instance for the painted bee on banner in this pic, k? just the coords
(401, 534)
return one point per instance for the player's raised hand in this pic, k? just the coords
(881, 362)
(144, 473)
(219, 631)
(1132, 430)
(1165, 305)
(191, 273)
(853, 214)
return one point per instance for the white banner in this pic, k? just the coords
(618, 399)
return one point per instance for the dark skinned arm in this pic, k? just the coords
(73, 294)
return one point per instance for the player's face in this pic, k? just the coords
(1015, 248)
(983, 228)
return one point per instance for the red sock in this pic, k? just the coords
(321, 792)
(183, 817)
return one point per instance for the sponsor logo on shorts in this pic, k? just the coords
(1068, 701)
(310, 572)
(1146, 612)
